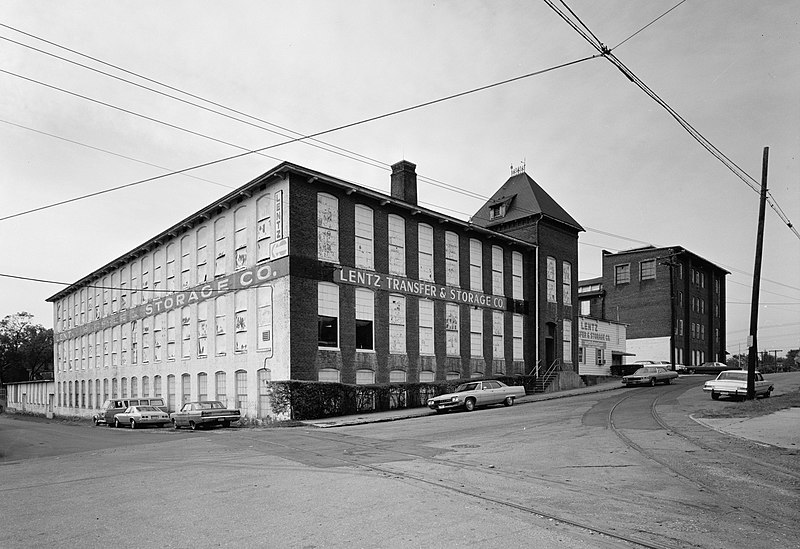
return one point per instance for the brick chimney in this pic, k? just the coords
(404, 182)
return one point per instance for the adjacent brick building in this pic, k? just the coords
(301, 275)
(672, 301)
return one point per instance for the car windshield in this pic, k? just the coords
(148, 409)
(736, 376)
(467, 387)
(644, 371)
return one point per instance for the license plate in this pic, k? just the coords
(441, 406)
(220, 419)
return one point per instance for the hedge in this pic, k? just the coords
(301, 400)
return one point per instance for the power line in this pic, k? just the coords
(309, 136)
(696, 135)
(647, 25)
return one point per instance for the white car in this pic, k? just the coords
(477, 393)
(733, 383)
(141, 415)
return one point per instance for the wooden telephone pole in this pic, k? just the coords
(752, 341)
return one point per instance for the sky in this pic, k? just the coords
(605, 151)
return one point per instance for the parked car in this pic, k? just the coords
(477, 393)
(141, 415)
(114, 406)
(733, 383)
(204, 413)
(650, 375)
(709, 368)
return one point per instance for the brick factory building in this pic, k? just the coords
(300, 275)
(672, 301)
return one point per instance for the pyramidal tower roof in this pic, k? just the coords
(518, 198)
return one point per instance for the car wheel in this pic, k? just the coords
(469, 404)
(175, 424)
(226, 424)
(768, 393)
(192, 426)
(668, 381)
(117, 423)
(509, 401)
(652, 382)
(96, 423)
(133, 424)
(714, 396)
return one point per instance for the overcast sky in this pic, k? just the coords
(613, 158)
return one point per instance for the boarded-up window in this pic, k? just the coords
(397, 324)
(365, 255)
(451, 258)
(425, 246)
(327, 228)
(397, 245)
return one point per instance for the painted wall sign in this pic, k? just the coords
(236, 281)
(589, 332)
(420, 288)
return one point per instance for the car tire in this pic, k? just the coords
(469, 404)
(133, 424)
(509, 401)
(192, 426)
(652, 382)
(175, 424)
(768, 393)
(668, 381)
(96, 423)
(117, 423)
(226, 424)
(714, 396)
(691, 372)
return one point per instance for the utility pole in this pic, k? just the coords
(671, 263)
(752, 340)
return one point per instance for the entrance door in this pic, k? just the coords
(550, 346)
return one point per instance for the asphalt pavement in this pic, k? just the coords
(781, 429)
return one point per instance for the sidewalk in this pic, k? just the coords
(780, 429)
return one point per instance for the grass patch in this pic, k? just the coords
(754, 408)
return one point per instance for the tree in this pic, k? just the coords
(26, 349)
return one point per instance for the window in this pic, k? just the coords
(186, 332)
(516, 275)
(647, 270)
(566, 285)
(581, 355)
(327, 228)
(365, 318)
(497, 270)
(622, 274)
(146, 339)
(145, 386)
(552, 296)
(145, 285)
(599, 357)
(202, 386)
(567, 336)
(240, 238)
(425, 246)
(220, 388)
(451, 327)
(451, 258)
(219, 247)
(516, 322)
(364, 235)
(220, 310)
(264, 297)
(426, 327)
(263, 228)
(186, 264)
(158, 322)
(158, 261)
(397, 245)
(397, 376)
(427, 376)
(125, 329)
(171, 335)
(202, 329)
(171, 393)
(365, 377)
(124, 386)
(476, 332)
(329, 375)
(114, 296)
(397, 324)
(498, 350)
(186, 388)
(328, 315)
(679, 327)
(114, 347)
(497, 211)
(202, 255)
(586, 307)
(475, 265)
(134, 387)
(156, 386)
(171, 267)
(240, 322)
(241, 390)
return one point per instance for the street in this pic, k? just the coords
(626, 468)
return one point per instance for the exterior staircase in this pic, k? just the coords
(544, 381)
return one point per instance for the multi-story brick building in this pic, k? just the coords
(300, 275)
(672, 301)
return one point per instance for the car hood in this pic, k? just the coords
(447, 396)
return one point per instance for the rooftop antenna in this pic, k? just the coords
(518, 169)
